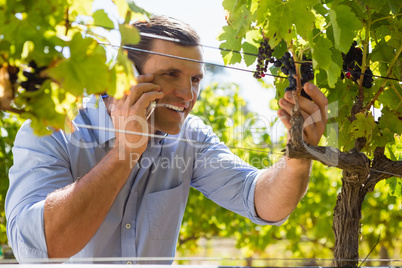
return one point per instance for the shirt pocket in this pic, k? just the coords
(165, 213)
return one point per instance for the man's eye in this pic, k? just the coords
(171, 74)
(196, 79)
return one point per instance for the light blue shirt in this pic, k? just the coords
(145, 219)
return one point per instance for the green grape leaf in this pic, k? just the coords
(81, 7)
(346, 140)
(233, 5)
(382, 52)
(395, 6)
(345, 24)
(391, 97)
(232, 43)
(122, 7)
(129, 34)
(241, 20)
(322, 58)
(279, 25)
(137, 9)
(252, 49)
(41, 108)
(84, 69)
(280, 49)
(374, 4)
(362, 126)
(303, 19)
(68, 77)
(101, 19)
(79, 45)
(382, 136)
(262, 12)
(122, 75)
(395, 185)
(388, 119)
(251, 46)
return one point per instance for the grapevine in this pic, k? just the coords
(355, 50)
(54, 51)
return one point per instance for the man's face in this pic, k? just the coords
(179, 81)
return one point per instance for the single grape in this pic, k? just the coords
(277, 63)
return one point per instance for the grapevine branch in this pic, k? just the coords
(389, 72)
(11, 110)
(381, 163)
(388, 17)
(364, 60)
(354, 161)
(67, 20)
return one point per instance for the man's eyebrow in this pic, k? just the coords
(167, 70)
(176, 70)
(199, 76)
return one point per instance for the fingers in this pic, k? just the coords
(144, 86)
(314, 112)
(284, 117)
(319, 99)
(139, 97)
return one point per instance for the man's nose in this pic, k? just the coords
(185, 90)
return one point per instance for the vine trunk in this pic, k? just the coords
(346, 223)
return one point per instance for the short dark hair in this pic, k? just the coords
(161, 26)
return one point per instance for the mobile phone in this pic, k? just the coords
(151, 107)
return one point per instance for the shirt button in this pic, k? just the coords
(129, 262)
(128, 225)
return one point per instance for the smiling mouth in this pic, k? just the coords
(174, 108)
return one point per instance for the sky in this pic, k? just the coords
(207, 17)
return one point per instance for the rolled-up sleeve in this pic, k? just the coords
(226, 179)
(40, 167)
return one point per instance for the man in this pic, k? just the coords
(96, 193)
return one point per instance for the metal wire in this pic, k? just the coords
(290, 261)
(176, 40)
(385, 172)
(186, 59)
(171, 138)
(207, 63)
(198, 142)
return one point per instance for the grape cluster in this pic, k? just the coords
(286, 64)
(13, 73)
(264, 58)
(34, 80)
(351, 64)
(288, 68)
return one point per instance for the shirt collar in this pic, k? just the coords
(98, 116)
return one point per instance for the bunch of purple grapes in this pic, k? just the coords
(264, 58)
(34, 79)
(351, 64)
(288, 67)
(13, 73)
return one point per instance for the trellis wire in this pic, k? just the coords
(176, 40)
(170, 138)
(218, 65)
(198, 142)
(44, 261)
(186, 59)
(244, 53)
